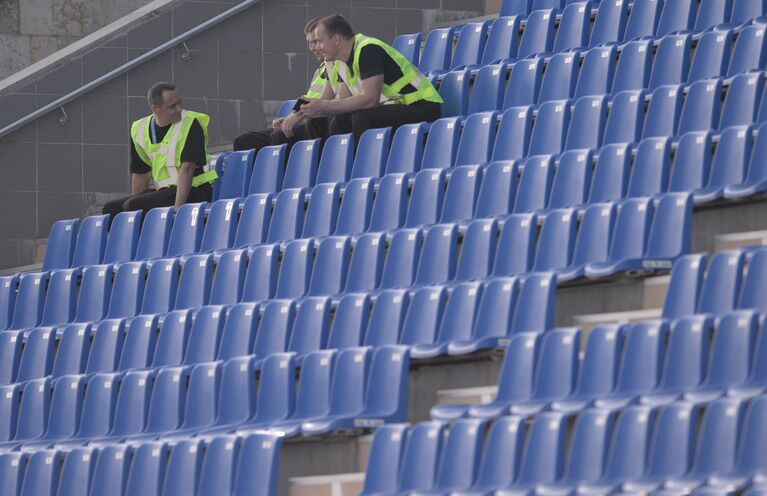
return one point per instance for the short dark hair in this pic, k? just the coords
(337, 24)
(312, 25)
(154, 96)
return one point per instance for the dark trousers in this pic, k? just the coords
(382, 116)
(148, 200)
(270, 137)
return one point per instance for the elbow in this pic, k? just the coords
(188, 168)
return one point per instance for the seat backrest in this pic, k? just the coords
(61, 297)
(313, 400)
(513, 135)
(633, 69)
(98, 406)
(538, 37)
(702, 106)
(597, 72)
(253, 225)
(742, 101)
(711, 56)
(671, 232)
(268, 170)
(421, 456)
(372, 153)
(676, 16)
(454, 90)
(588, 123)
(442, 143)
(550, 130)
(599, 369)
(691, 162)
(354, 212)
(487, 91)
(336, 161)
(328, 276)
(204, 386)
(672, 60)
(287, 217)
(188, 228)
(748, 52)
(543, 459)
(534, 184)
(610, 23)
(258, 468)
(475, 260)
(301, 169)
(426, 198)
(311, 325)
(498, 190)
(409, 45)
(470, 44)
(752, 292)
(630, 440)
(91, 241)
(155, 233)
(719, 293)
(161, 286)
(423, 315)
(516, 245)
(386, 317)
(30, 300)
(226, 288)
(503, 40)
(148, 468)
(538, 292)
(663, 113)
(632, 226)
(221, 225)
(386, 451)
(239, 331)
(183, 468)
(437, 50)
(39, 352)
(322, 210)
(366, 263)
(461, 194)
(643, 20)
(611, 173)
(642, 357)
(572, 180)
(524, 83)
(731, 157)
(574, 27)
(650, 173)
(61, 244)
(274, 329)
(626, 118)
(460, 456)
(402, 259)
(477, 139)
(560, 77)
(76, 471)
(556, 240)
(261, 275)
(238, 167)
(672, 442)
(406, 149)
(42, 473)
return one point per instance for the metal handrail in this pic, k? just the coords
(126, 67)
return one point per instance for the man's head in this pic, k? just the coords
(311, 38)
(165, 102)
(334, 34)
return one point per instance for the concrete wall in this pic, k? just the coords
(33, 29)
(238, 73)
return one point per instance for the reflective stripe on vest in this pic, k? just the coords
(165, 157)
(327, 69)
(390, 94)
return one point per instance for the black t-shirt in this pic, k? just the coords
(374, 61)
(194, 149)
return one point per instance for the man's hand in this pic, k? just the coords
(289, 122)
(276, 123)
(315, 108)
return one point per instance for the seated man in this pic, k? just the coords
(380, 86)
(291, 128)
(168, 146)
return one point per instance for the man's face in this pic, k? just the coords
(328, 45)
(314, 46)
(170, 110)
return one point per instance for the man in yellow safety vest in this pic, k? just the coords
(168, 147)
(291, 128)
(379, 86)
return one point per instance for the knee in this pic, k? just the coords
(360, 121)
(240, 143)
(277, 137)
(130, 205)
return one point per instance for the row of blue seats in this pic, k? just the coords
(479, 315)
(638, 65)
(733, 280)
(673, 449)
(356, 387)
(610, 238)
(507, 39)
(551, 128)
(652, 363)
(217, 465)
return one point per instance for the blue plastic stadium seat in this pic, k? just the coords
(407, 148)
(188, 228)
(593, 241)
(258, 469)
(386, 317)
(285, 108)
(498, 190)
(155, 233)
(702, 107)
(296, 269)
(470, 44)
(712, 13)
(386, 452)
(194, 284)
(672, 61)
(402, 259)
(437, 51)
(560, 77)
(626, 118)
(650, 172)
(572, 179)
(330, 266)
(515, 382)
(611, 174)
(37, 359)
(336, 161)
(268, 170)
(587, 123)
(754, 181)
(515, 7)
(719, 293)
(287, 217)
(10, 352)
(204, 335)
(488, 89)
(752, 291)
(535, 184)
(633, 69)
(183, 464)
(728, 167)
(676, 16)
(60, 298)
(239, 331)
(91, 241)
(147, 469)
(203, 387)
(426, 198)
(366, 263)
(61, 244)
(643, 20)
(691, 162)
(610, 23)
(597, 72)
(354, 212)
(513, 136)
(745, 10)
(167, 401)
(123, 237)
(350, 321)
(742, 101)
(226, 287)
(42, 473)
(538, 37)
(500, 458)
(106, 346)
(538, 292)
(71, 355)
(253, 225)
(461, 194)
(30, 298)
(454, 90)
(478, 250)
(110, 469)
(503, 40)
(550, 130)
(748, 52)
(237, 169)
(670, 234)
(301, 170)
(516, 245)
(524, 83)
(322, 210)
(438, 255)
(161, 286)
(574, 27)
(556, 240)
(76, 471)
(460, 456)
(711, 56)
(442, 143)
(663, 113)
(372, 152)
(173, 338)
(217, 469)
(390, 204)
(477, 139)
(221, 226)
(409, 45)
(420, 457)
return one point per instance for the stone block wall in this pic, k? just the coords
(71, 161)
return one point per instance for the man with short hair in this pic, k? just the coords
(380, 87)
(291, 128)
(168, 148)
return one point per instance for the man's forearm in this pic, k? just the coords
(139, 183)
(184, 185)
